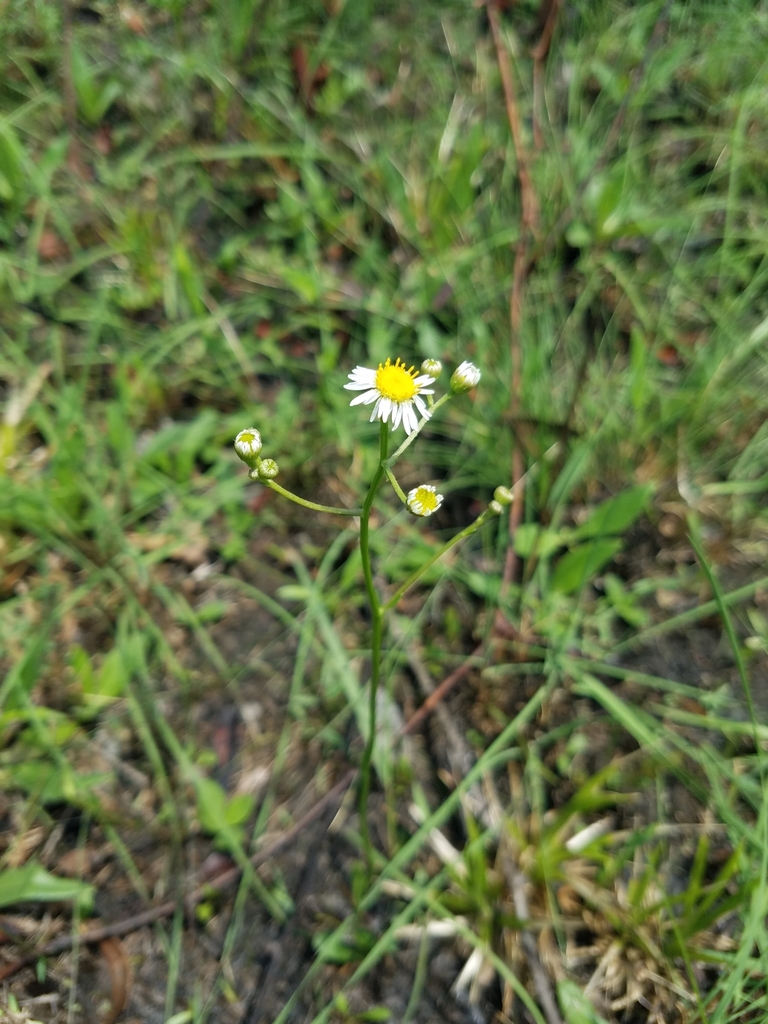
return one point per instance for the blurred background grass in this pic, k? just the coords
(210, 212)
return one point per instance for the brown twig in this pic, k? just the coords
(528, 227)
(439, 693)
(527, 194)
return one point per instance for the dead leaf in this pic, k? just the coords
(51, 246)
(119, 966)
(131, 18)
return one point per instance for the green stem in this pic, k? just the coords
(376, 635)
(311, 504)
(412, 437)
(398, 489)
(466, 532)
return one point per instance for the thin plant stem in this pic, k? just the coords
(376, 636)
(311, 504)
(414, 434)
(466, 532)
(397, 488)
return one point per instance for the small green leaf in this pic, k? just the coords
(375, 1014)
(577, 567)
(292, 592)
(576, 1008)
(212, 611)
(239, 808)
(305, 285)
(33, 882)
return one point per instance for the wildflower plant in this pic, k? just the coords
(403, 397)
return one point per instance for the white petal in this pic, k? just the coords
(376, 410)
(397, 415)
(418, 402)
(366, 399)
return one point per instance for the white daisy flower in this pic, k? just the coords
(248, 445)
(395, 390)
(464, 378)
(423, 500)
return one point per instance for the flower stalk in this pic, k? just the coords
(377, 630)
(398, 393)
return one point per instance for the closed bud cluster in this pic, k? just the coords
(503, 495)
(496, 507)
(465, 377)
(432, 366)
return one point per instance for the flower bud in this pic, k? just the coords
(503, 495)
(423, 500)
(248, 446)
(432, 366)
(464, 378)
(267, 469)
(496, 508)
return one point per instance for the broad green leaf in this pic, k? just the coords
(11, 161)
(211, 805)
(50, 784)
(111, 677)
(616, 514)
(530, 538)
(33, 882)
(577, 567)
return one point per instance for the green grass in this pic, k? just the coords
(215, 251)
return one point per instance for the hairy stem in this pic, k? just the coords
(311, 504)
(376, 635)
(466, 532)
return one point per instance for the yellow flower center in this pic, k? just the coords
(395, 382)
(427, 498)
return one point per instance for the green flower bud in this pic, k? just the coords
(496, 508)
(432, 366)
(503, 495)
(267, 469)
(464, 378)
(248, 446)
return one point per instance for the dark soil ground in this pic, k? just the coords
(241, 723)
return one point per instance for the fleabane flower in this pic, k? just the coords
(248, 445)
(395, 389)
(464, 378)
(423, 500)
